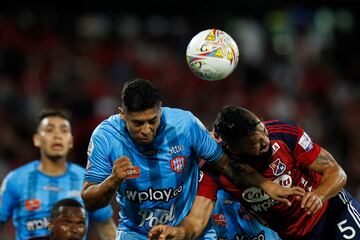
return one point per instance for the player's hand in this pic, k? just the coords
(279, 193)
(164, 232)
(311, 202)
(122, 168)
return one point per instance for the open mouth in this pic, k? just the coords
(265, 149)
(57, 146)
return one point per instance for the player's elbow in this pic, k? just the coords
(342, 177)
(89, 204)
(198, 227)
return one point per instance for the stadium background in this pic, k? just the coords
(298, 62)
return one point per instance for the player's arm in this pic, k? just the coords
(244, 174)
(9, 197)
(332, 180)
(97, 196)
(192, 225)
(106, 229)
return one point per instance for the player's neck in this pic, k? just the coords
(53, 167)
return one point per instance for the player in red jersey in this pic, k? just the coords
(285, 154)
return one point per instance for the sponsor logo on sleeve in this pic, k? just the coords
(177, 164)
(277, 167)
(90, 148)
(88, 165)
(275, 147)
(32, 204)
(134, 173)
(305, 142)
(219, 219)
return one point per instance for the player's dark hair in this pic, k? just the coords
(50, 112)
(139, 95)
(234, 123)
(66, 202)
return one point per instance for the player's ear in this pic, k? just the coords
(71, 144)
(121, 112)
(36, 140)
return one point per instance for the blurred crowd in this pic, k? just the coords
(296, 63)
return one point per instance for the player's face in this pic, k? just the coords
(54, 137)
(70, 224)
(257, 144)
(143, 125)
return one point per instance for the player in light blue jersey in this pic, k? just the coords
(29, 192)
(233, 222)
(148, 155)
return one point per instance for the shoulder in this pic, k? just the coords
(281, 127)
(75, 168)
(25, 169)
(176, 113)
(107, 129)
(75, 172)
(20, 174)
(178, 118)
(287, 132)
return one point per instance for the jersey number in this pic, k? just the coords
(346, 228)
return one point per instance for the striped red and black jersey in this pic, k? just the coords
(293, 151)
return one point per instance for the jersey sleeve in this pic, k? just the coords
(102, 214)
(208, 187)
(203, 144)
(306, 150)
(8, 197)
(99, 165)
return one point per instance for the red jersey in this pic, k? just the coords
(292, 152)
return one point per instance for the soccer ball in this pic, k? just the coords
(212, 55)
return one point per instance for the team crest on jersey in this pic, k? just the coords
(219, 219)
(32, 204)
(277, 167)
(177, 164)
(275, 147)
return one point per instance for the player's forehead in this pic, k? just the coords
(70, 212)
(145, 115)
(54, 121)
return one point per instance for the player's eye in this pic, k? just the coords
(48, 130)
(138, 123)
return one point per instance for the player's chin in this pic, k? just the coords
(56, 155)
(145, 141)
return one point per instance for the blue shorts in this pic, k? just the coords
(340, 221)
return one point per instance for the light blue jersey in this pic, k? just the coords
(28, 196)
(166, 186)
(233, 222)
